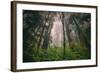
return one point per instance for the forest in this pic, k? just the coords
(56, 36)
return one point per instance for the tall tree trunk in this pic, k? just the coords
(67, 23)
(83, 37)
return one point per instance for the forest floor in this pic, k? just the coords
(56, 54)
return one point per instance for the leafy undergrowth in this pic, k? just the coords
(56, 54)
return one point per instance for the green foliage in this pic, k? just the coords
(54, 54)
(77, 52)
(50, 54)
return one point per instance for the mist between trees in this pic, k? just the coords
(53, 36)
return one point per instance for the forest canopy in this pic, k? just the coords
(53, 36)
